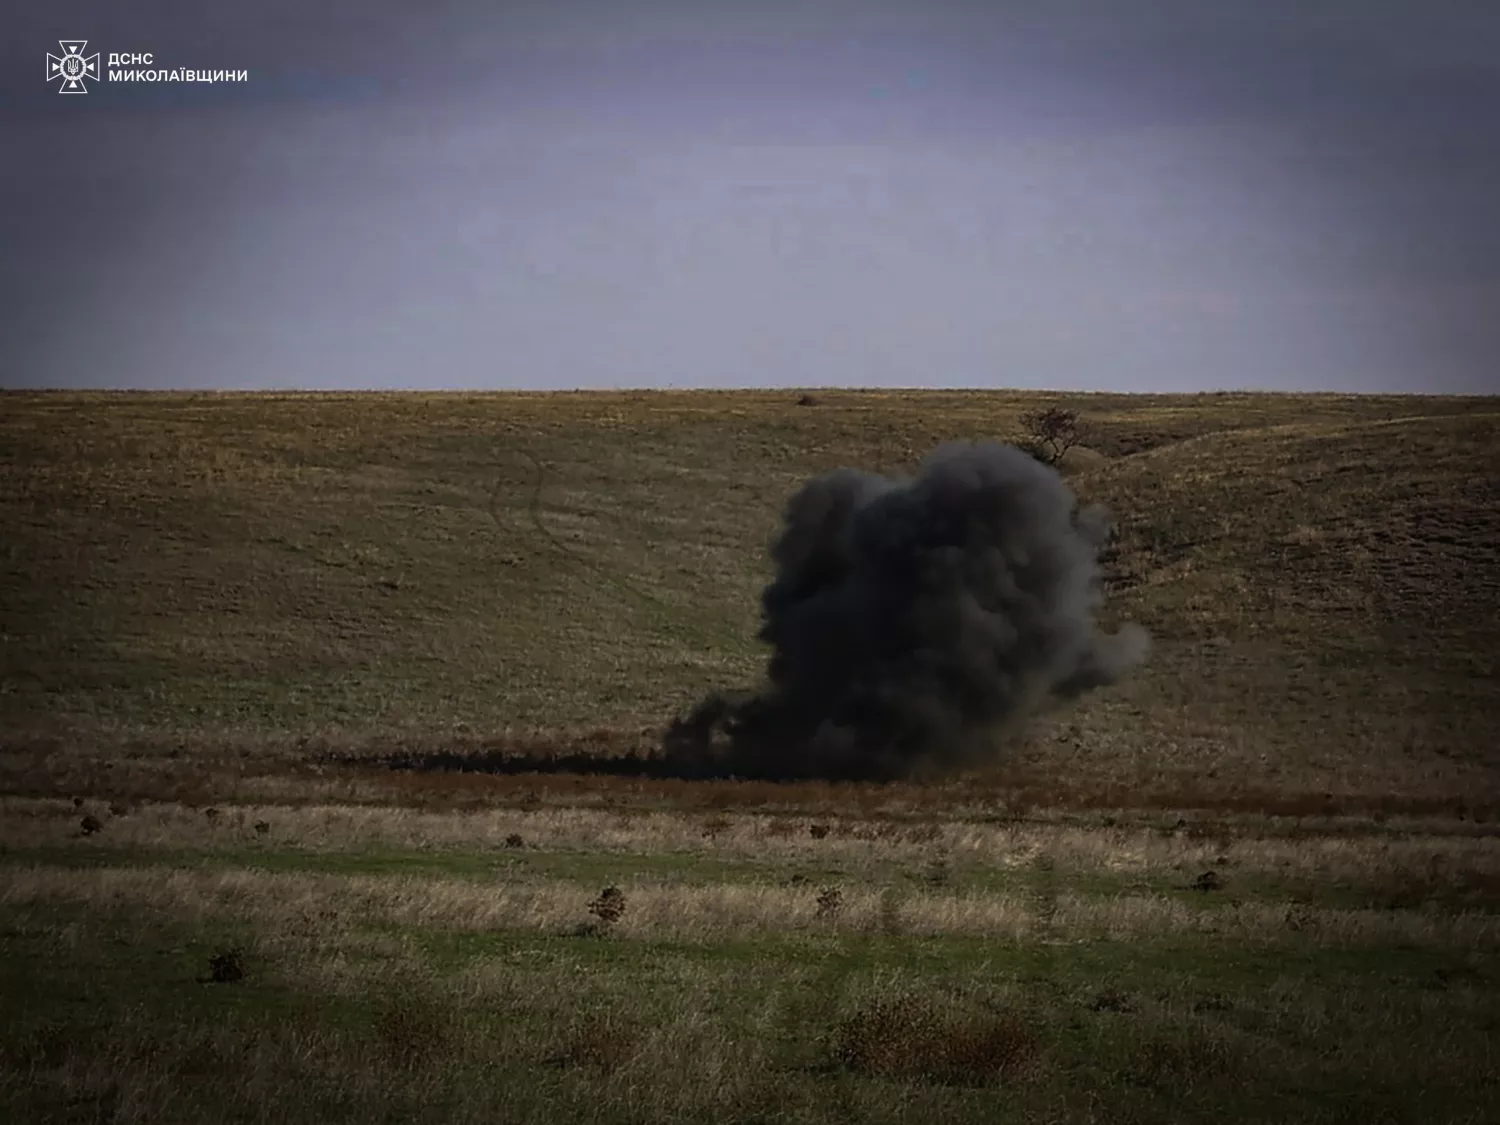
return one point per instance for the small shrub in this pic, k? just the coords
(514, 840)
(890, 912)
(211, 813)
(924, 834)
(50, 1047)
(817, 831)
(227, 967)
(1170, 1062)
(1050, 433)
(830, 902)
(605, 1042)
(908, 1038)
(261, 828)
(1299, 916)
(1111, 1000)
(609, 907)
(411, 1031)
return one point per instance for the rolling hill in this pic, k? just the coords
(246, 574)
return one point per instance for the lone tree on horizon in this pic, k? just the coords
(1051, 432)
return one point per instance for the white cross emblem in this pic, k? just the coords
(73, 68)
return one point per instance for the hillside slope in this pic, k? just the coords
(1324, 599)
(1319, 572)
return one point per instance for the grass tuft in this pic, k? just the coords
(413, 1030)
(609, 907)
(604, 1041)
(227, 966)
(907, 1037)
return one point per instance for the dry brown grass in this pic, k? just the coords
(911, 1037)
(606, 1040)
(1401, 853)
(189, 572)
(291, 910)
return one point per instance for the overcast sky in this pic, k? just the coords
(1085, 194)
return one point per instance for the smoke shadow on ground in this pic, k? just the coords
(510, 763)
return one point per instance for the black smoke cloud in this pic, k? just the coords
(913, 623)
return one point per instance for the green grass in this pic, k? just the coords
(350, 1017)
(220, 610)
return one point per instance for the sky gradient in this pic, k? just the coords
(1140, 195)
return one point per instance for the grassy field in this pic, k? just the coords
(350, 701)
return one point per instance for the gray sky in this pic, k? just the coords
(1086, 194)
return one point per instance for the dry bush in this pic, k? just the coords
(227, 966)
(50, 1046)
(1299, 916)
(1111, 1000)
(890, 912)
(1180, 1062)
(609, 907)
(910, 1038)
(412, 1030)
(1050, 433)
(605, 1041)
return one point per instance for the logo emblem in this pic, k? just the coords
(73, 68)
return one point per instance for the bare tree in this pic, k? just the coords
(1051, 432)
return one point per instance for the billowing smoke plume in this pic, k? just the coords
(913, 622)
